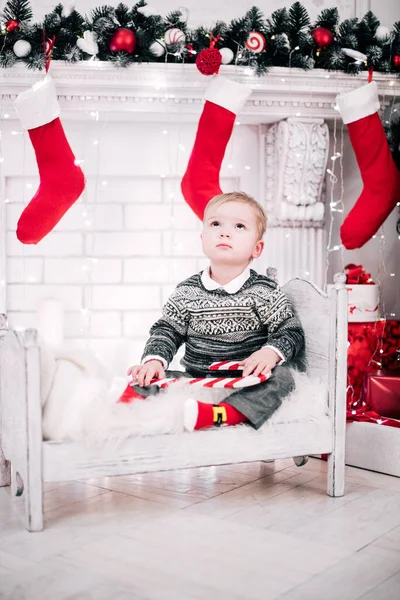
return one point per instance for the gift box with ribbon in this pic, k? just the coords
(372, 347)
(363, 295)
(381, 393)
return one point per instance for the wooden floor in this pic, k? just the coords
(250, 531)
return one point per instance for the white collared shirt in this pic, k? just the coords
(231, 287)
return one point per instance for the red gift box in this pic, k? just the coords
(381, 393)
(371, 346)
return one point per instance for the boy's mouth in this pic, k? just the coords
(224, 246)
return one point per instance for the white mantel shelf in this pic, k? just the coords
(176, 91)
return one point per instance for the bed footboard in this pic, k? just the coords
(20, 422)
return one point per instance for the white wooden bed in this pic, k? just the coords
(26, 461)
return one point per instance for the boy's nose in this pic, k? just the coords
(225, 234)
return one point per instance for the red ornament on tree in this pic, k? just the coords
(323, 37)
(209, 60)
(396, 61)
(12, 25)
(123, 40)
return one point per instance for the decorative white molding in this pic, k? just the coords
(296, 159)
(162, 90)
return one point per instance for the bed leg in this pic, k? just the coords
(336, 468)
(34, 483)
(5, 469)
(337, 386)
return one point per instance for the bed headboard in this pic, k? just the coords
(322, 317)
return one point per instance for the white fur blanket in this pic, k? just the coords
(79, 401)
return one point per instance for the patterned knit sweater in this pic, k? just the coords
(215, 325)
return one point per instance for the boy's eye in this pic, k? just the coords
(215, 224)
(240, 226)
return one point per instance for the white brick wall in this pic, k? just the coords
(122, 248)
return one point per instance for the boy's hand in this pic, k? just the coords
(260, 362)
(143, 374)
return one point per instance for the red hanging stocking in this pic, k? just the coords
(61, 180)
(224, 99)
(381, 179)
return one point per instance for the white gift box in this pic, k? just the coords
(363, 302)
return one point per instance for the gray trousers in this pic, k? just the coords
(257, 402)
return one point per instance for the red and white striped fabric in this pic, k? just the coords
(226, 365)
(216, 382)
(213, 382)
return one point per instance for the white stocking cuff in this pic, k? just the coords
(359, 103)
(38, 105)
(227, 93)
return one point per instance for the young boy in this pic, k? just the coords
(227, 312)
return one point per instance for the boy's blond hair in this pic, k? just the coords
(261, 216)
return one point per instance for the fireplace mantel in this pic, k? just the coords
(176, 91)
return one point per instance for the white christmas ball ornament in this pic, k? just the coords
(382, 34)
(227, 55)
(158, 48)
(174, 36)
(22, 48)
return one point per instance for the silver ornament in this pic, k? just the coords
(22, 48)
(227, 55)
(382, 34)
(158, 48)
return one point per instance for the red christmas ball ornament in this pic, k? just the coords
(123, 40)
(209, 61)
(12, 25)
(396, 61)
(322, 37)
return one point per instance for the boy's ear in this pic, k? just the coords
(258, 249)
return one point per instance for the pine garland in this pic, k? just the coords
(288, 34)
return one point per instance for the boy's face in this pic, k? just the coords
(230, 234)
